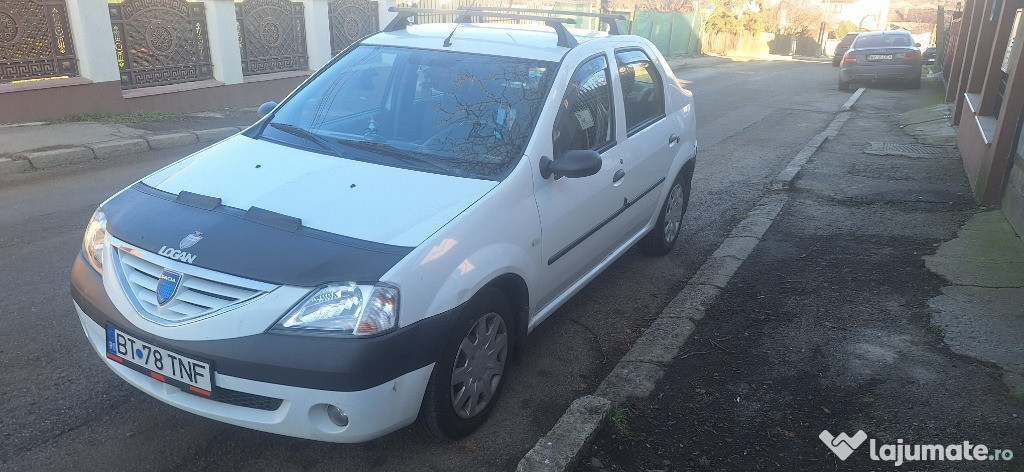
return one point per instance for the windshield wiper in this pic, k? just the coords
(393, 151)
(307, 135)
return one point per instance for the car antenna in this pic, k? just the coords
(448, 40)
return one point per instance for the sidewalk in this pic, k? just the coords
(881, 299)
(33, 146)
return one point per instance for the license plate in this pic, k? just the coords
(880, 57)
(159, 363)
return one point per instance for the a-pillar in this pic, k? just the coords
(222, 28)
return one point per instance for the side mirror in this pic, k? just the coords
(572, 164)
(265, 108)
(917, 45)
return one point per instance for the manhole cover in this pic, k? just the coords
(899, 148)
(909, 150)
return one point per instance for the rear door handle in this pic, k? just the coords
(619, 174)
(673, 140)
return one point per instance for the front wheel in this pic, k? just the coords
(470, 372)
(662, 238)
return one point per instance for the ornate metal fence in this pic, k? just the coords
(160, 42)
(272, 36)
(35, 40)
(351, 20)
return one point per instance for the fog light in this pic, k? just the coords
(337, 416)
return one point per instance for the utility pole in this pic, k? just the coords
(824, 27)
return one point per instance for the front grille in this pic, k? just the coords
(195, 297)
(247, 400)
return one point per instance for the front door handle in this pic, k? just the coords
(673, 140)
(619, 174)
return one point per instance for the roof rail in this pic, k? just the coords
(609, 18)
(565, 39)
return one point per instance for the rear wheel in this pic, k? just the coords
(844, 86)
(662, 238)
(915, 83)
(470, 372)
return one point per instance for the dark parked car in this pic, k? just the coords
(842, 47)
(881, 55)
(929, 56)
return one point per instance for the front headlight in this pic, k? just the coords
(345, 310)
(94, 245)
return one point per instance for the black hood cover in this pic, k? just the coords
(255, 243)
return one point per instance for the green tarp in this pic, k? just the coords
(672, 33)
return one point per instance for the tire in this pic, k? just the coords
(485, 326)
(844, 86)
(915, 83)
(665, 233)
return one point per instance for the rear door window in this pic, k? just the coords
(643, 91)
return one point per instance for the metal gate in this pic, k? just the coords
(160, 42)
(351, 20)
(272, 36)
(35, 40)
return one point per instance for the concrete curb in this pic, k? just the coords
(58, 157)
(559, 449)
(789, 173)
(28, 161)
(11, 166)
(121, 147)
(637, 374)
(853, 99)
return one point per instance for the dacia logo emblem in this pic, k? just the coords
(167, 286)
(190, 240)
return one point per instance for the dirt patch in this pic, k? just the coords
(815, 332)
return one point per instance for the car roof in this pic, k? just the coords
(881, 33)
(524, 41)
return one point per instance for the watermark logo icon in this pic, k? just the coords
(842, 445)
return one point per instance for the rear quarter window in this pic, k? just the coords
(883, 41)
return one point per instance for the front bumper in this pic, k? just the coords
(302, 413)
(860, 73)
(283, 383)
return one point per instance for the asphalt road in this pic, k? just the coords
(62, 409)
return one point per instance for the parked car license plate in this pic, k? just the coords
(880, 57)
(159, 363)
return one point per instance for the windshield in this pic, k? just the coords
(460, 114)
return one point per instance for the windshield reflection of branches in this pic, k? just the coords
(486, 112)
(471, 114)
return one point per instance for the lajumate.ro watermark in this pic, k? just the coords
(843, 446)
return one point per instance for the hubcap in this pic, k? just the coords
(479, 365)
(673, 213)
